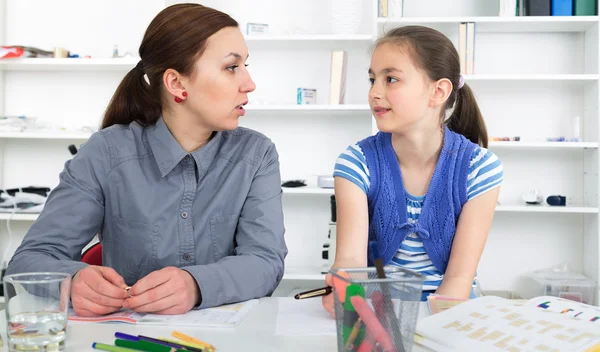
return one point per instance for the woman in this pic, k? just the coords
(188, 205)
(425, 187)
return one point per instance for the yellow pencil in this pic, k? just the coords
(186, 338)
(353, 334)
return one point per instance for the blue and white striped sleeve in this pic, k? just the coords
(352, 165)
(485, 173)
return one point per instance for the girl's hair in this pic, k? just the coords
(435, 54)
(175, 39)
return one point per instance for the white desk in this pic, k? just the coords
(255, 333)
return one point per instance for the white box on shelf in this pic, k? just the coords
(306, 96)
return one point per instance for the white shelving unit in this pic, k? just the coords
(72, 64)
(532, 75)
(19, 217)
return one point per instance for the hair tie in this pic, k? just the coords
(461, 81)
(139, 66)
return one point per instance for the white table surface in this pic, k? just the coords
(255, 333)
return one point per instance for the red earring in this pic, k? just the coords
(178, 99)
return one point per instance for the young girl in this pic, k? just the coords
(425, 188)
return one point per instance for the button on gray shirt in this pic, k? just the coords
(215, 213)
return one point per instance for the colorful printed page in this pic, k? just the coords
(568, 308)
(498, 324)
(229, 315)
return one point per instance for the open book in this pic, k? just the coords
(224, 316)
(497, 324)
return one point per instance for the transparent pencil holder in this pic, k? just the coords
(376, 314)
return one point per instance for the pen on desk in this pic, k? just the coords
(145, 346)
(169, 343)
(323, 291)
(111, 348)
(123, 336)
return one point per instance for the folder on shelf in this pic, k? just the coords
(508, 8)
(562, 7)
(337, 82)
(521, 8)
(538, 7)
(383, 8)
(585, 8)
(395, 8)
(462, 47)
(470, 48)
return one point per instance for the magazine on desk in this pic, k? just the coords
(497, 324)
(230, 315)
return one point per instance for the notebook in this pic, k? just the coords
(438, 304)
(492, 323)
(230, 315)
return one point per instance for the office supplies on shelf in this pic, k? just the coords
(306, 96)
(294, 183)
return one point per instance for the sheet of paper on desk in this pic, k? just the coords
(303, 318)
(229, 315)
(224, 316)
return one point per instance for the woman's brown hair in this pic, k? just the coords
(175, 39)
(435, 54)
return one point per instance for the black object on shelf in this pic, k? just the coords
(294, 183)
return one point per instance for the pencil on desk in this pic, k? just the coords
(188, 345)
(323, 291)
(186, 338)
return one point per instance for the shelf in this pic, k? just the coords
(542, 208)
(542, 145)
(503, 24)
(310, 42)
(45, 135)
(290, 107)
(300, 274)
(19, 216)
(307, 190)
(534, 77)
(74, 64)
(309, 38)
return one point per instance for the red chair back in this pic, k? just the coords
(93, 255)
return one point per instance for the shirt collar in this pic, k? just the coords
(168, 153)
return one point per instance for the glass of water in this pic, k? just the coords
(36, 311)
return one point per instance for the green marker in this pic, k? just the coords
(111, 348)
(350, 315)
(145, 346)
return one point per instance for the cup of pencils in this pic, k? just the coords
(375, 308)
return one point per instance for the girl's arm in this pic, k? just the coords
(471, 234)
(352, 230)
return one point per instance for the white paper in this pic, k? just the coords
(229, 315)
(303, 317)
